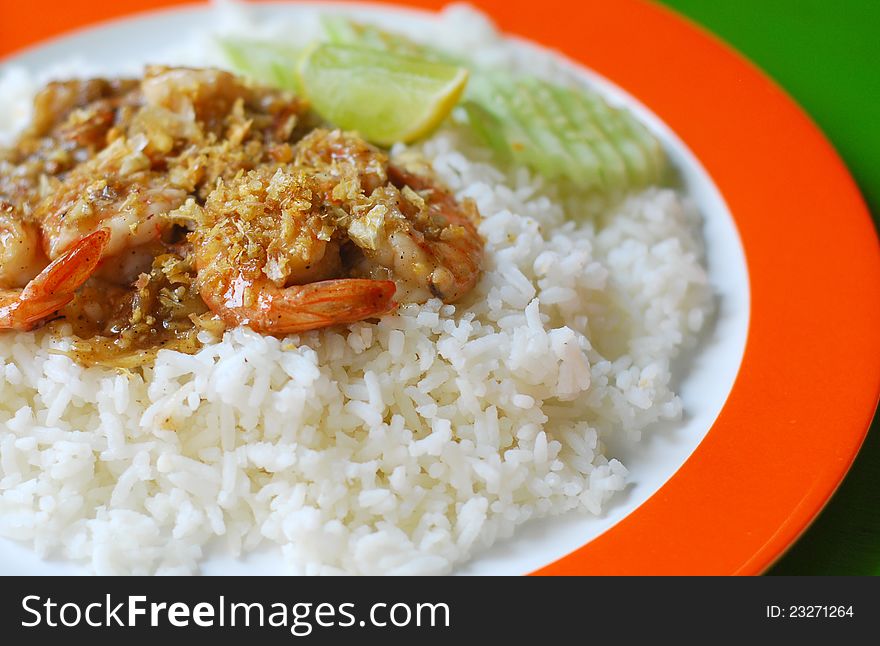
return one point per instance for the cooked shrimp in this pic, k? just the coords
(238, 299)
(209, 124)
(223, 104)
(204, 95)
(56, 106)
(341, 163)
(418, 231)
(286, 230)
(21, 257)
(413, 228)
(52, 288)
(115, 190)
(258, 236)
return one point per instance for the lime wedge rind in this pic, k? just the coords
(387, 97)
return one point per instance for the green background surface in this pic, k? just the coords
(826, 54)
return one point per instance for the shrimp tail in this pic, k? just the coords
(312, 306)
(318, 305)
(54, 287)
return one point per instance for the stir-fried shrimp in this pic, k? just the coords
(114, 190)
(205, 95)
(342, 164)
(259, 240)
(52, 288)
(21, 257)
(184, 129)
(410, 227)
(62, 105)
(415, 229)
(192, 199)
(72, 122)
(209, 125)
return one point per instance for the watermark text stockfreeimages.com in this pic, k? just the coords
(300, 619)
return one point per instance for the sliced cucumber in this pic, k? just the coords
(562, 132)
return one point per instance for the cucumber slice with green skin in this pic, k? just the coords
(585, 168)
(267, 62)
(545, 126)
(655, 158)
(489, 128)
(650, 146)
(564, 133)
(641, 150)
(605, 119)
(531, 139)
(613, 168)
(386, 97)
(523, 147)
(586, 164)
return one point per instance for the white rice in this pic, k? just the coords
(403, 446)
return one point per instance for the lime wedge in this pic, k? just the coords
(386, 97)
